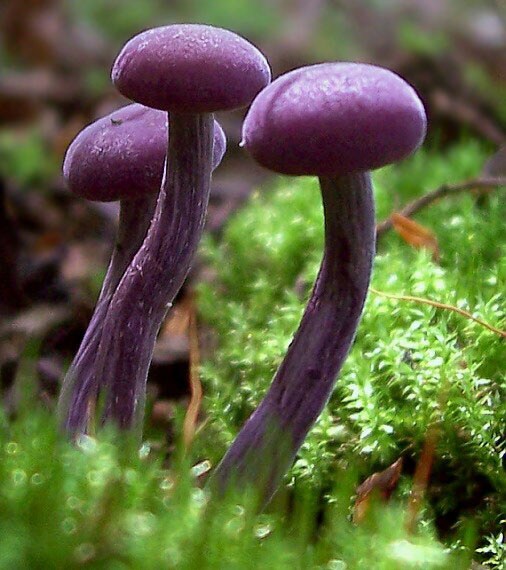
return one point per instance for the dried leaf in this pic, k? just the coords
(421, 478)
(415, 234)
(162, 413)
(380, 485)
(178, 320)
(172, 344)
(192, 413)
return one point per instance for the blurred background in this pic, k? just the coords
(55, 60)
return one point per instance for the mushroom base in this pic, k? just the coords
(74, 401)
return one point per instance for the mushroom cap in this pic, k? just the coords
(122, 155)
(334, 119)
(190, 68)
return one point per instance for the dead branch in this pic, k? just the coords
(442, 191)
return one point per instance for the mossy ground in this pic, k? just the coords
(100, 505)
(412, 368)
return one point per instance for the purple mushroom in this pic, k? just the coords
(118, 157)
(190, 71)
(336, 121)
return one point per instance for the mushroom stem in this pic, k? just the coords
(270, 439)
(73, 404)
(157, 271)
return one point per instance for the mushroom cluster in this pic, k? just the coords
(119, 157)
(186, 73)
(336, 121)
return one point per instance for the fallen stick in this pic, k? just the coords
(444, 190)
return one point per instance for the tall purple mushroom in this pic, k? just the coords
(190, 71)
(118, 157)
(336, 121)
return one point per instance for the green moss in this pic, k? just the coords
(100, 505)
(412, 366)
(120, 19)
(415, 39)
(26, 158)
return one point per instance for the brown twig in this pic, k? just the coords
(192, 412)
(464, 111)
(442, 191)
(421, 478)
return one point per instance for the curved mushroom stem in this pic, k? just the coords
(270, 439)
(157, 271)
(134, 219)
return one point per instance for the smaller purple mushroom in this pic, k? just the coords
(118, 157)
(190, 71)
(336, 121)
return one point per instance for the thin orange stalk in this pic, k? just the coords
(439, 305)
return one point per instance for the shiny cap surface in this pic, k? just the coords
(334, 118)
(190, 68)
